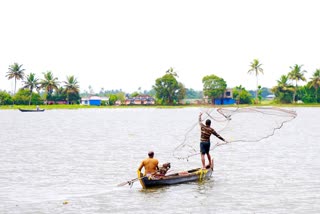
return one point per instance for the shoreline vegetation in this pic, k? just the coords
(78, 106)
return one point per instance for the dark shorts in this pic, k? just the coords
(204, 147)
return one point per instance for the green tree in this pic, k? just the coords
(31, 83)
(181, 94)
(296, 74)
(255, 67)
(241, 95)
(192, 94)
(5, 98)
(213, 86)
(315, 82)
(283, 90)
(22, 97)
(60, 94)
(17, 72)
(112, 99)
(167, 88)
(49, 83)
(121, 96)
(71, 86)
(134, 94)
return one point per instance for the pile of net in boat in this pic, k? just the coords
(251, 124)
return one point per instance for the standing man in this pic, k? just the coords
(206, 132)
(150, 164)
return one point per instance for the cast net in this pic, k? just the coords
(251, 124)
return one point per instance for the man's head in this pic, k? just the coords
(208, 122)
(151, 154)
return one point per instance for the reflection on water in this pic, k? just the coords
(79, 156)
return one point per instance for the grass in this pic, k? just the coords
(73, 107)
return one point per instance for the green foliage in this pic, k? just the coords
(72, 89)
(213, 86)
(49, 83)
(112, 99)
(192, 94)
(315, 83)
(31, 83)
(168, 89)
(17, 72)
(22, 97)
(306, 94)
(134, 94)
(255, 67)
(283, 91)
(296, 74)
(5, 98)
(121, 96)
(241, 95)
(259, 93)
(59, 95)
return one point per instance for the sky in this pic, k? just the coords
(126, 44)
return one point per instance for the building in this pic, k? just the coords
(140, 100)
(226, 99)
(94, 100)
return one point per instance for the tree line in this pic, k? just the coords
(167, 89)
(48, 88)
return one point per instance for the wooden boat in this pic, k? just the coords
(177, 178)
(31, 110)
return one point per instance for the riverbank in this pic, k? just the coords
(73, 107)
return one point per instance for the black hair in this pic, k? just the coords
(208, 122)
(151, 154)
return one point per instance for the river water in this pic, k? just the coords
(70, 161)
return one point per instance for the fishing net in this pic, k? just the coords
(251, 124)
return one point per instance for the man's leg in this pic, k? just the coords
(209, 159)
(203, 161)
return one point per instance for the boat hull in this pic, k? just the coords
(31, 110)
(178, 178)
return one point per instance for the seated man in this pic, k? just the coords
(149, 164)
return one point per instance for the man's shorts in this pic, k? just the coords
(204, 147)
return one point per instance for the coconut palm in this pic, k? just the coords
(255, 67)
(71, 86)
(283, 89)
(31, 83)
(17, 72)
(315, 82)
(296, 74)
(49, 83)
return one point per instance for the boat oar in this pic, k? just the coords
(129, 182)
(134, 180)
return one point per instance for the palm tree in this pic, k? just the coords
(31, 83)
(296, 74)
(255, 67)
(71, 86)
(315, 82)
(283, 89)
(17, 72)
(49, 83)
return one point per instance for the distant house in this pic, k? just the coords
(94, 100)
(140, 100)
(270, 97)
(191, 101)
(51, 102)
(226, 99)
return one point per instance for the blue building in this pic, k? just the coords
(226, 99)
(93, 100)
